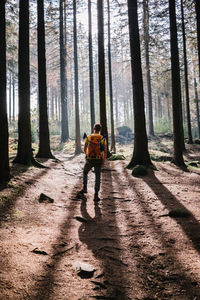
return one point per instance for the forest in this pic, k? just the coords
(132, 66)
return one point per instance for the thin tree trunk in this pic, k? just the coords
(63, 88)
(147, 60)
(197, 7)
(24, 151)
(140, 153)
(113, 145)
(13, 88)
(176, 88)
(44, 142)
(101, 64)
(10, 95)
(77, 119)
(197, 106)
(190, 141)
(91, 72)
(4, 160)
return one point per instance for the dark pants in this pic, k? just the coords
(90, 163)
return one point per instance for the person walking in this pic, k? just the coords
(95, 149)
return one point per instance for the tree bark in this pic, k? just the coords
(4, 160)
(78, 149)
(140, 153)
(147, 60)
(101, 65)
(197, 8)
(44, 142)
(24, 151)
(113, 145)
(190, 140)
(176, 88)
(197, 106)
(13, 87)
(91, 72)
(63, 83)
(10, 95)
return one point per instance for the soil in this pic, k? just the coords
(136, 249)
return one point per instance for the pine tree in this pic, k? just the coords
(140, 152)
(24, 150)
(77, 119)
(4, 160)
(176, 88)
(44, 142)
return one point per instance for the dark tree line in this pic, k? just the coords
(140, 154)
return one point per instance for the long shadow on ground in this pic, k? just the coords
(101, 235)
(157, 271)
(44, 290)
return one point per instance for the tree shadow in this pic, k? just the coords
(44, 289)
(152, 267)
(101, 235)
(190, 226)
(7, 202)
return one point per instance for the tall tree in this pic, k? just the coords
(44, 142)
(190, 141)
(13, 88)
(176, 88)
(197, 105)
(140, 153)
(91, 72)
(101, 65)
(4, 160)
(197, 8)
(113, 145)
(77, 119)
(147, 62)
(24, 151)
(63, 89)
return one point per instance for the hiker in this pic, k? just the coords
(96, 152)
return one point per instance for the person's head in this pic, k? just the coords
(97, 128)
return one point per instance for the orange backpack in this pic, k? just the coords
(95, 146)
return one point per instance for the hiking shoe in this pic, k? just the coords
(96, 198)
(84, 191)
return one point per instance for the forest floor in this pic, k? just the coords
(136, 249)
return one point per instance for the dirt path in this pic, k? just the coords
(137, 253)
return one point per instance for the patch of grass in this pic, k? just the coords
(194, 164)
(139, 170)
(117, 157)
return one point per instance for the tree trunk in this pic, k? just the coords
(77, 120)
(101, 64)
(176, 88)
(10, 95)
(148, 72)
(24, 151)
(113, 145)
(4, 160)
(190, 141)
(140, 152)
(197, 8)
(92, 108)
(13, 87)
(63, 88)
(44, 142)
(197, 106)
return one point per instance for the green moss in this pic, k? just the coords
(139, 170)
(117, 157)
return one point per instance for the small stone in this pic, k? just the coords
(45, 198)
(84, 270)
